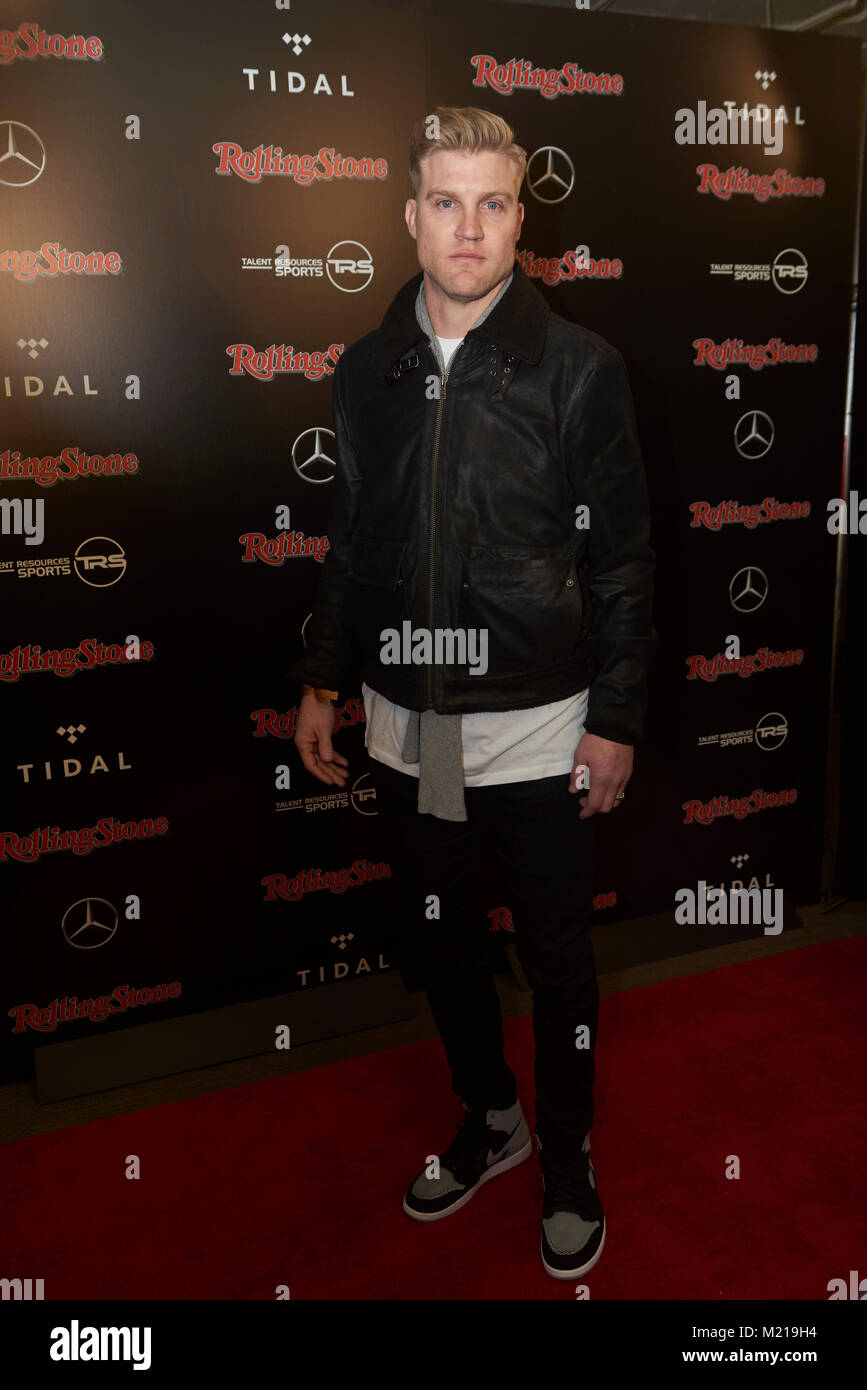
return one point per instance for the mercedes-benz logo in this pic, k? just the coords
(89, 923)
(754, 434)
(550, 170)
(771, 731)
(345, 262)
(789, 271)
(313, 459)
(22, 154)
(363, 798)
(748, 589)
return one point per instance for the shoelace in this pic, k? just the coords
(471, 1134)
(568, 1186)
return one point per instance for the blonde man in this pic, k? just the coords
(489, 578)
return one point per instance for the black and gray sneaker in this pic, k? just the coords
(573, 1222)
(488, 1142)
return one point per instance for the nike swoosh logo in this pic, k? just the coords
(492, 1157)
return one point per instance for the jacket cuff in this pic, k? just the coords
(614, 735)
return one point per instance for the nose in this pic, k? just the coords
(470, 226)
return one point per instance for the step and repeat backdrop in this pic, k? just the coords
(201, 206)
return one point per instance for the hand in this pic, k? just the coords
(610, 767)
(313, 740)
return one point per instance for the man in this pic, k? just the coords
(489, 577)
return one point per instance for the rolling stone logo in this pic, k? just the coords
(71, 463)
(723, 183)
(279, 360)
(518, 74)
(360, 872)
(322, 167)
(288, 545)
(268, 721)
(70, 1009)
(750, 515)
(30, 42)
(733, 351)
(706, 812)
(52, 260)
(577, 264)
(27, 849)
(709, 668)
(66, 661)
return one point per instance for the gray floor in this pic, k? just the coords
(21, 1115)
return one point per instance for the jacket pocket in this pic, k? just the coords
(377, 593)
(531, 604)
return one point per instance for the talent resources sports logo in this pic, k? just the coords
(71, 1009)
(769, 734)
(706, 812)
(709, 668)
(774, 353)
(71, 463)
(279, 360)
(322, 167)
(360, 872)
(29, 41)
(723, 183)
(518, 74)
(56, 260)
(750, 514)
(26, 849)
(67, 661)
(788, 272)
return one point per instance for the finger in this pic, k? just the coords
(591, 804)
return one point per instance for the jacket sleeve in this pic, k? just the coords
(330, 656)
(605, 466)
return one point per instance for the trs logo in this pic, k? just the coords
(99, 562)
(344, 265)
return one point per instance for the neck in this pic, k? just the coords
(451, 318)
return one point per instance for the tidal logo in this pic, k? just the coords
(23, 517)
(72, 767)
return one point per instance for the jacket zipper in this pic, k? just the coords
(443, 381)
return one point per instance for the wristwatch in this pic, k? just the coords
(325, 697)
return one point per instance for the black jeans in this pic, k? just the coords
(546, 855)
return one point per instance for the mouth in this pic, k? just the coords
(466, 256)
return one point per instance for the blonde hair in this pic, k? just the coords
(467, 128)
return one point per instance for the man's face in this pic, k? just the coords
(466, 221)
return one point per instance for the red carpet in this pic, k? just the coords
(299, 1181)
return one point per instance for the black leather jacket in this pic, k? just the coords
(454, 507)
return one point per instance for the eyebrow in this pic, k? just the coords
(446, 193)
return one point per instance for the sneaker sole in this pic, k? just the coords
(579, 1269)
(494, 1171)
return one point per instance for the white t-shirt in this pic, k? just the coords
(516, 745)
(502, 746)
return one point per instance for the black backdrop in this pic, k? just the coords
(197, 729)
